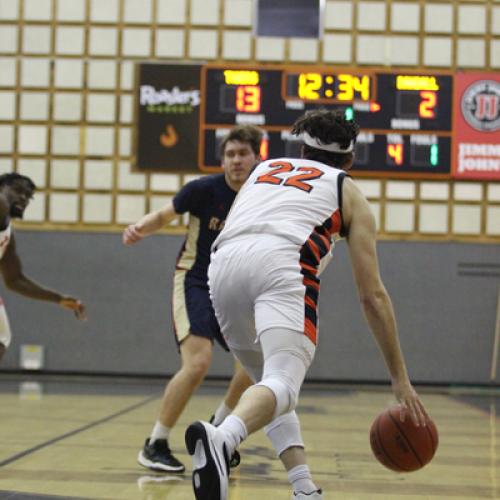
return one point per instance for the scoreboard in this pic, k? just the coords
(405, 116)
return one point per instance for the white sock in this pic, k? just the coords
(159, 432)
(235, 431)
(221, 413)
(301, 480)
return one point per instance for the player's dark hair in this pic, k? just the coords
(328, 126)
(244, 133)
(12, 177)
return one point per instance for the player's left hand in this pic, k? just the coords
(74, 305)
(132, 234)
(410, 403)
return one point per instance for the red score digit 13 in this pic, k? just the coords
(248, 98)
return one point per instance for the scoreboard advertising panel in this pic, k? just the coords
(476, 152)
(408, 119)
(167, 116)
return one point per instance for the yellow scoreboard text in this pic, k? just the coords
(415, 82)
(315, 86)
(241, 77)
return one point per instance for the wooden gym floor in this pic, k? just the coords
(79, 438)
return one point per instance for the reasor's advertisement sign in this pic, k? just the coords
(476, 149)
(167, 117)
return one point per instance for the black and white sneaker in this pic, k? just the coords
(210, 461)
(158, 457)
(235, 459)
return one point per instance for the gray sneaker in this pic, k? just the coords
(158, 457)
(315, 495)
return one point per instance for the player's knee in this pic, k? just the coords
(197, 366)
(284, 432)
(286, 394)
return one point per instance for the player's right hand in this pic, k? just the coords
(74, 305)
(410, 403)
(131, 235)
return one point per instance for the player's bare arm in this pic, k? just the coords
(4, 211)
(374, 298)
(15, 280)
(149, 224)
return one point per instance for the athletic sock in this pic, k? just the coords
(234, 431)
(221, 413)
(301, 480)
(159, 432)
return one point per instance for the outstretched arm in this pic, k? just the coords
(4, 211)
(149, 224)
(15, 280)
(374, 298)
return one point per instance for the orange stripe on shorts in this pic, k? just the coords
(310, 330)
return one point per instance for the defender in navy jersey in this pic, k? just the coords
(207, 200)
(264, 283)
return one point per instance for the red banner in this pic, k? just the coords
(476, 124)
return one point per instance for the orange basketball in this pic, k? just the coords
(402, 446)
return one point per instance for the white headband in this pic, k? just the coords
(333, 147)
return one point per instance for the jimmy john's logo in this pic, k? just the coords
(481, 105)
(169, 101)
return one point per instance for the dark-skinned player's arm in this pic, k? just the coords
(15, 280)
(4, 212)
(149, 224)
(375, 300)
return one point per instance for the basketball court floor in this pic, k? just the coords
(79, 438)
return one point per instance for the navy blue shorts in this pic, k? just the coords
(192, 310)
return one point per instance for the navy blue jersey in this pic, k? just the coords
(208, 201)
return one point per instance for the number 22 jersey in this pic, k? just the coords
(297, 199)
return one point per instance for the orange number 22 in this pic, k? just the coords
(297, 181)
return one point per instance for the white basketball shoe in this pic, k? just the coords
(210, 461)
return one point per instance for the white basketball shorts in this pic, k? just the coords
(256, 283)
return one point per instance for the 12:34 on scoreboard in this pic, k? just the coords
(405, 116)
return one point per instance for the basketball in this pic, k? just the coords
(402, 446)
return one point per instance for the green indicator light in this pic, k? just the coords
(434, 155)
(349, 113)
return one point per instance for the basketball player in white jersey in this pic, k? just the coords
(16, 191)
(264, 285)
